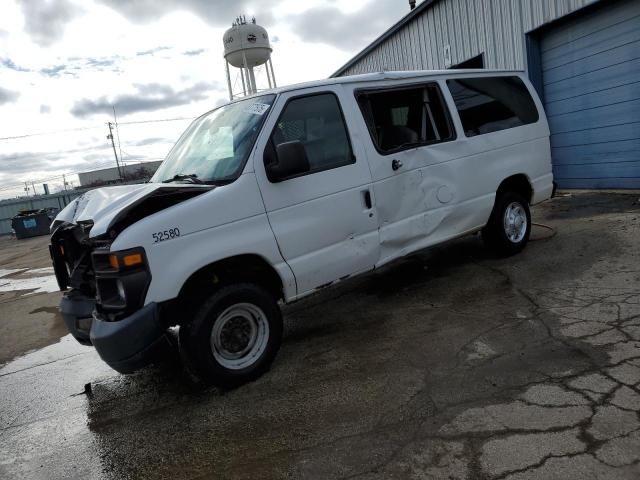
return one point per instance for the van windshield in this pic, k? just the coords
(216, 145)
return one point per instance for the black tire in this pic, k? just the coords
(495, 235)
(211, 364)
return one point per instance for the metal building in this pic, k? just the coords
(583, 57)
(139, 171)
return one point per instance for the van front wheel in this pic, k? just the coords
(509, 226)
(234, 336)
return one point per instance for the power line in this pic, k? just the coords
(137, 122)
(80, 129)
(23, 156)
(54, 132)
(115, 120)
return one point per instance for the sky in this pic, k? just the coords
(65, 64)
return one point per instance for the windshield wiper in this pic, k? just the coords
(192, 178)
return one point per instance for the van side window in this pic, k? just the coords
(316, 121)
(406, 117)
(491, 104)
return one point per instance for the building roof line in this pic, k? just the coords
(393, 29)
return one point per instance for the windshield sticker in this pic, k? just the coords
(258, 108)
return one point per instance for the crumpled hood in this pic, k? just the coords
(102, 205)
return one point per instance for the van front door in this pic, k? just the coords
(322, 217)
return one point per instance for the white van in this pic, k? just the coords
(271, 198)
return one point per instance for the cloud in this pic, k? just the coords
(45, 109)
(8, 96)
(149, 97)
(193, 53)
(217, 14)
(7, 62)
(45, 20)
(329, 25)
(17, 163)
(152, 51)
(101, 62)
(150, 141)
(53, 71)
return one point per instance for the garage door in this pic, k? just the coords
(591, 79)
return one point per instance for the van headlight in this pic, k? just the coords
(122, 279)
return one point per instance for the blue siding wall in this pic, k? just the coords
(591, 84)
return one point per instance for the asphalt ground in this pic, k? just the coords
(451, 364)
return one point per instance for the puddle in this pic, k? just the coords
(34, 280)
(67, 347)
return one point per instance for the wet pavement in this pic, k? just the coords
(450, 364)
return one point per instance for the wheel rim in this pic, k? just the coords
(515, 222)
(239, 336)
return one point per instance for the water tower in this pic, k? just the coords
(246, 46)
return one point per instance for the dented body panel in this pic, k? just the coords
(103, 206)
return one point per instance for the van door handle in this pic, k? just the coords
(367, 199)
(396, 164)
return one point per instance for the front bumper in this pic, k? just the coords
(125, 345)
(131, 343)
(77, 312)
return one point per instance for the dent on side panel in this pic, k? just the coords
(422, 199)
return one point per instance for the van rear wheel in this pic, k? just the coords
(234, 336)
(509, 226)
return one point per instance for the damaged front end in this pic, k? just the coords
(70, 251)
(103, 303)
(104, 300)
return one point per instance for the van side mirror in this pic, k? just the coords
(291, 159)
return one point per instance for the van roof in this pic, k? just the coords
(387, 75)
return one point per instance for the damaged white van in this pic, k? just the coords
(273, 197)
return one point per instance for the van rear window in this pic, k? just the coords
(491, 104)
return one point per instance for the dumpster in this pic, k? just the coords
(31, 223)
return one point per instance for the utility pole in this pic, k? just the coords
(26, 188)
(64, 182)
(115, 121)
(113, 144)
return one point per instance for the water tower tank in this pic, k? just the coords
(246, 41)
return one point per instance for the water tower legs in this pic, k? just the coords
(273, 74)
(244, 86)
(229, 81)
(252, 80)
